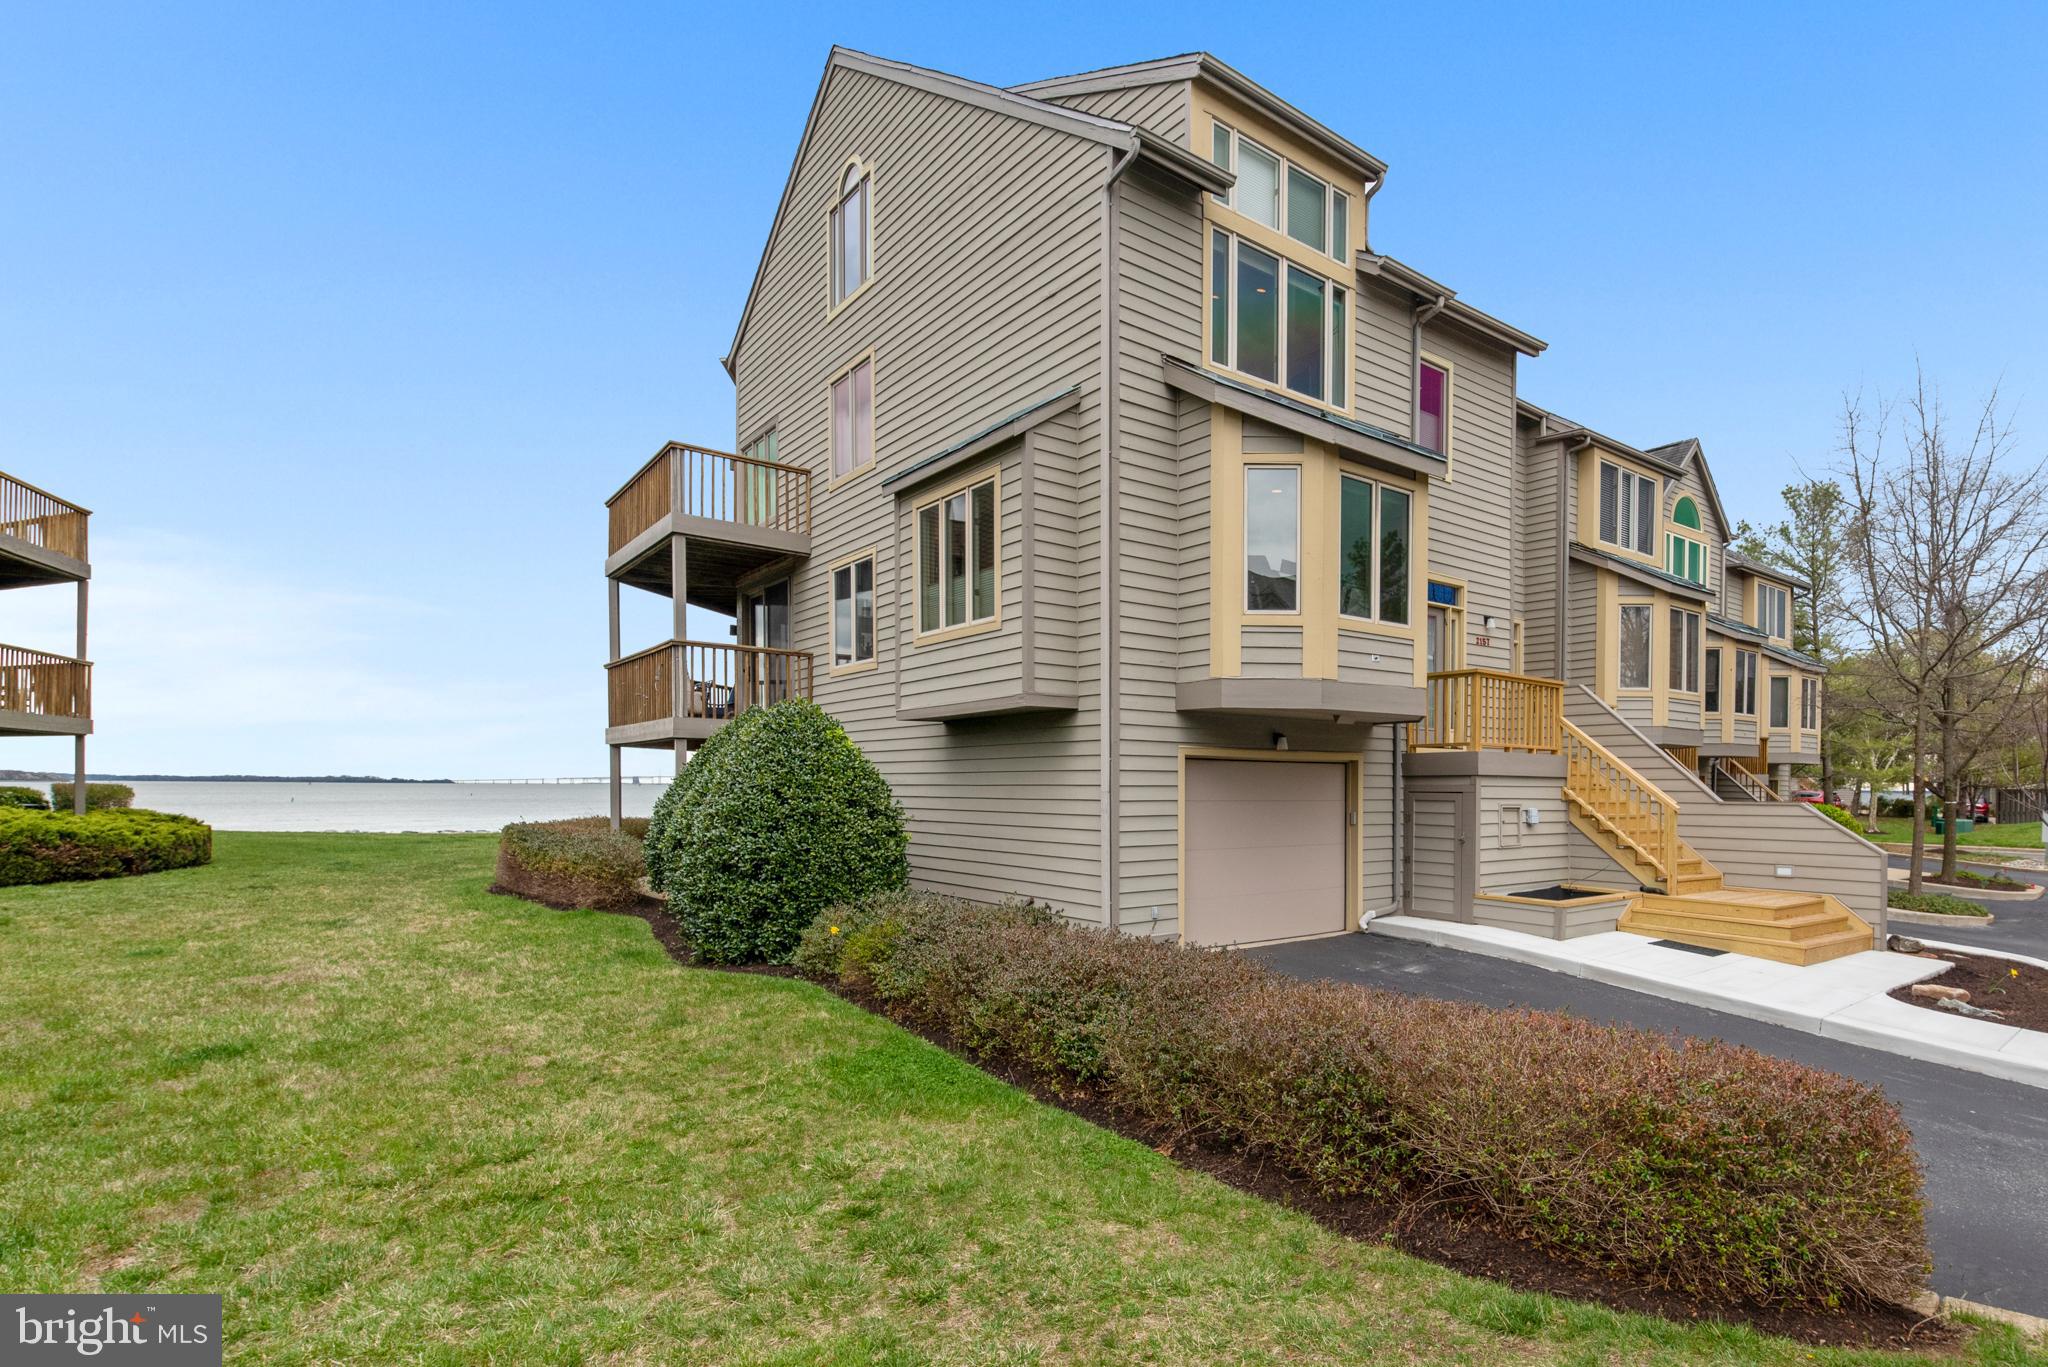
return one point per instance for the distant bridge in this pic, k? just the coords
(631, 780)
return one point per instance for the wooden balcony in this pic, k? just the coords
(735, 512)
(42, 537)
(1490, 709)
(43, 694)
(685, 690)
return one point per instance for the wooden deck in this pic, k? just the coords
(43, 538)
(44, 694)
(685, 690)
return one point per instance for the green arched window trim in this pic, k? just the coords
(1686, 513)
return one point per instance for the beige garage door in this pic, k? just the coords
(1265, 850)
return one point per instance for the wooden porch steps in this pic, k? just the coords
(1790, 927)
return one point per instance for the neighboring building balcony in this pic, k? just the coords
(42, 537)
(734, 513)
(43, 694)
(682, 691)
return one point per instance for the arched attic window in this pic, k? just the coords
(1686, 556)
(852, 233)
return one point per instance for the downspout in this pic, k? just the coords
(1112, 579)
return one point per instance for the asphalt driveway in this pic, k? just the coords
(1983, 1141)
(2019, 927)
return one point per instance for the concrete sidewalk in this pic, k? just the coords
(1843, 999)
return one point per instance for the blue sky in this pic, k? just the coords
(345, 319)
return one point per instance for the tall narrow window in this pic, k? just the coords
(1394, 566)
(1354, 548)
(1685, 651)
(1635, 645)
(1781, 700)
(1809, 704)
(853, 613)
(1340, 224)
(853, 420)
(1219, 297)
(1745, 683)
(1304, 332)
(1272, 538)
(1339, 347)
(1258, 312)
(959, 541)
(1433, 407)
(850, 247)
(1712, 682)
(1773, 611)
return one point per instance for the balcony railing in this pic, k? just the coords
(696, 681)
(45, 685)
(1490, 709)
(42, 519)
(715, 485)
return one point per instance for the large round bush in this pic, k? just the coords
(669, 827)
(785, 818)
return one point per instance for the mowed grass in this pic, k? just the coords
(394, 1118)
(2006, 835)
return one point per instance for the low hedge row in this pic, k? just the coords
(99, 797)
(1934, 903)
(1841, 816)
(31, 798)
(56, 847)
(580, 862)
(1713, 1169)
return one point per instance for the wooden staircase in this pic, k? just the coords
(1684, 897)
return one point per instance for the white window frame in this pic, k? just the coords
(854, 660)
(1377, 616)
(1244, 581)
(1774, 610)
(1338, 251)
(861, 177)
(937, 499)
(1627, 507)
(1336, 340)
(1688, 637)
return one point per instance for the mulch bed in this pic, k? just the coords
(1439, 1232)
(2020, 1000)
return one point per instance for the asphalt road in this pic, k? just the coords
(2017, 928)
(1983, 1142)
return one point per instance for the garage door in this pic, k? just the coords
(1265, 850)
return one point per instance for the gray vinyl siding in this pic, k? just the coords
(1434, 877)
(977, 668)
(1681, 711)
(1163, 108)
(1370, 658)
(986, 297)
(1272, 652)
(1381, 349)
(1582, 625)
(1514, 857)
(1537, 533)
(1470, 512)
(1192, 539)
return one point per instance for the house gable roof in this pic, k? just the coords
(1690, 451)
(1122, 137)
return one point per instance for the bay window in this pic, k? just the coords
(1711, 701)
(1685, 651)
(1372, 571)
(1745, 683)
(1781, 700)
(957, 538)
(1257, 330)
(1635, 645)
(1272, 538)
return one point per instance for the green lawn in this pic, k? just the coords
(2008, 835)
(394, 1118)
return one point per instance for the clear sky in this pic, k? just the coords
(345, 319)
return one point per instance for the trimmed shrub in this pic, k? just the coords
(23, 797)
(1899, 806)
(1841, 816)
(787, 817)
(1970, 878)
(1713, 1169)
(1936, 903)
(669, 830)
(580, 862)
(55, 847)
(99, 797)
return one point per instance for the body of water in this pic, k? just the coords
(385, 806)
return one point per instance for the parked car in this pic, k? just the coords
(1812, 795)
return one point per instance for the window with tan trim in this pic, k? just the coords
(1372, 550)
(1636, 623)
(1809, 704)
(1274, 321)
(1274, 192)
(1711, 685)
(852, 234)
(1685, 651)
(959, 535)
(853, 418)
(1628, 509)
(1272, 538)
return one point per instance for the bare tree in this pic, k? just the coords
(1947, 585)
(1812, 543)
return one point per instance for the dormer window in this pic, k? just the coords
(1628, 509)
(1273, 191)
(851, 247)
(1773, 611)
(1685, 556)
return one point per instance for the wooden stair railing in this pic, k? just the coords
(1750, 784)
(1634, 812)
